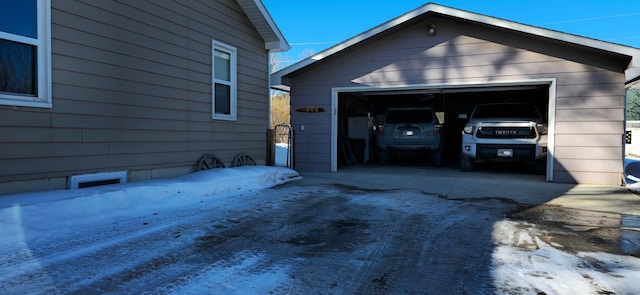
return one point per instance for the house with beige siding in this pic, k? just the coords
(130, 90)
(452, 60)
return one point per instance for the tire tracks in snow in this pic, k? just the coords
(323, 239)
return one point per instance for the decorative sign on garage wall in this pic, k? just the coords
(312, 109)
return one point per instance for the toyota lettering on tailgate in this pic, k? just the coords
(505, 132)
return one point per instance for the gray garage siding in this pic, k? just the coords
(589, 140)
(132, 91)
(589, 87)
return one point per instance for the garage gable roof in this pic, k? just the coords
(633, 53)
(264, 24)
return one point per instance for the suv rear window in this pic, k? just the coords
(409, 116)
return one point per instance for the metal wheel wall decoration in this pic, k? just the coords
(209, 161)
(243, 159)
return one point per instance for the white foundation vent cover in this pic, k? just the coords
(96, 179)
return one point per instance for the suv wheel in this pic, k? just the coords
(467, 163)
(384, 157)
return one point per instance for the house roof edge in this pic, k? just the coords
(265, 25)
(632, 52)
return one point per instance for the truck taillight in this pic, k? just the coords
(543, 129)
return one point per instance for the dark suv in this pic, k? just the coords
(410, 130)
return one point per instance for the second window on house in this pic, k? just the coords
(224, 82)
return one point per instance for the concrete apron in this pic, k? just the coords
(608, 215)
(451, 183)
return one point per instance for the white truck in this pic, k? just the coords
(504, 132)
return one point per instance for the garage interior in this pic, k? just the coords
(359, 113)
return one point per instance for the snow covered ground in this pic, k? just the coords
(526, 264)
(282, 150)
(523, 260)
(30, 216)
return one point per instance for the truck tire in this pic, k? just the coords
(467, 163)
(541, 167)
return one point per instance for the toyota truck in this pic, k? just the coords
(504, 132)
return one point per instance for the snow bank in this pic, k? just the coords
(29, 215)
(525, 264)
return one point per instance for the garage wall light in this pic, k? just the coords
(432, 29)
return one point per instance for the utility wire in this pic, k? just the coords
(592, 18)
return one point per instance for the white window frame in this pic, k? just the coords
(43, 53)
(233, 104)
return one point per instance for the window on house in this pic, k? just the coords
(24, 60)
(224, 82)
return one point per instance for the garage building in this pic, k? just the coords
(452, 60)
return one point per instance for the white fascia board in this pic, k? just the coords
(279, 45)
(632, 78)
(276, 83)
(281, 87)
(465, 15)
(261, 19)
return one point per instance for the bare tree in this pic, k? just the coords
(280, 108)
(633, 104)
(280, 100)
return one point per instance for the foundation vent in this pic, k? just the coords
(97, 179)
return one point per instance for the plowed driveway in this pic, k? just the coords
(304, 237)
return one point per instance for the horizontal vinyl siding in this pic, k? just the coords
(587, 177)
(589, 143)
(589, 118)
(589, 112)
(598, 152)
(132, 91)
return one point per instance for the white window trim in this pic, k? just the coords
(43, 43)
(215, 45)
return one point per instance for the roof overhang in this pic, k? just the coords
(635, 81)
(633, 53)
(265, 25)
(632, 75)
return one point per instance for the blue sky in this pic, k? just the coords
(312, 26)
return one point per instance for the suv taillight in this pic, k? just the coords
(381, 129)
(436, 128)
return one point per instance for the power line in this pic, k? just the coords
(592, 18)
(312, 43)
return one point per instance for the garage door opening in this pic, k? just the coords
(360, 113)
